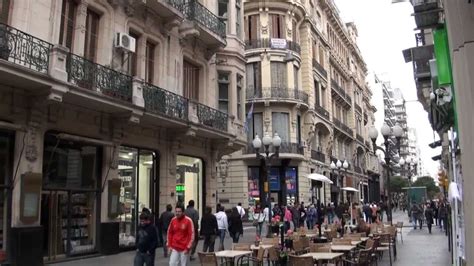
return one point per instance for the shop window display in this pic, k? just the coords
(136, 170)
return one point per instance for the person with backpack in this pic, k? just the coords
(146, 241)
(236, 228)
(209, 230)
(193, 214)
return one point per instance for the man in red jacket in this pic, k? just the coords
(180, 237)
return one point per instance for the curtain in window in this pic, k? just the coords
(278, 74)
(280, 124)
(255, 127)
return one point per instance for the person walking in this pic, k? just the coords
(193, 214)
(367, 213)
(240, 210)
(435, 212)
(311, 216)
(209, 230)
(164, 221)
(416, 214)
(259, 219)
(302, 212)
(251, 212)
(429, 214)
(222, 225)
(236, 229)
(295, 213)
(180, 237)
(146, 241)
(443, 216)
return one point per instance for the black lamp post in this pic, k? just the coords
(267, 158)
(339, 168)
(387, 132)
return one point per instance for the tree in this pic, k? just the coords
(397, 183)
(427, 181)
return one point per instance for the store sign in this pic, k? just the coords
(180, 188)
(274, 178)
(278, 43)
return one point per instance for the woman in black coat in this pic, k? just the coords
(209, 230)
(236, 228)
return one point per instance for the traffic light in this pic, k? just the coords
(443, 180)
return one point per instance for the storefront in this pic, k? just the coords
(136, 170)
(70, 200)
(190, 181)
(282, 184)
(6, 171)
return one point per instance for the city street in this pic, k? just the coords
(418, 248)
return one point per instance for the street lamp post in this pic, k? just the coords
(410, 166)
(267, 158)
(340, 167)
(387, 132)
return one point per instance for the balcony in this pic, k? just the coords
(278, 44)
(358, 108)
(106, 81)
(340, 92)
(167, 9)
(212, 30)
(285, 147)
(427, 14)
(163, 102)
(359, 138)
(277, 93)
(320, 68)
(22, 49)
(211, 117)
(342, 127)
(318, 156)
(321, 111)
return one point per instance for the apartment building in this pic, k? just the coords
(305, 81)
(108, 107)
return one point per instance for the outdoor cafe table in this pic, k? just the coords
(356, 242)
(253, 247)
(231, 255)
(320, 256)
(343, 248)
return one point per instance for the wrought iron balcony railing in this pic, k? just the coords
(320, 68)
(342, 126)
(285, 147)
(163, 102)
(267, 43)
(335, 86)
(320, 110)
(195, 11)
(23, 49)
(89, 75)
(212, 117)
(359, 138)
(318, 156)
(276, 93)
(358, 108)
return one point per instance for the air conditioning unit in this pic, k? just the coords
(125, 41)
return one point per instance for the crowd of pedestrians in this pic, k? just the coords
(431, 212)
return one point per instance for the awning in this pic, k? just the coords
(319, 177)
(351, 189)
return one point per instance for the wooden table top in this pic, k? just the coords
(323, 255)
(342, 247)
(264, 246)
(232, 253)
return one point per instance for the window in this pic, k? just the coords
(298, 129)
(189, 181)
(254, 79)
(190, 81)
(4, 11)
(296, 75)
(252, 27)
(255, 126)
(92, 31)
(278, 74)
(223, 83)
(254, 184)
(238, 18)
(222, 10)
(280, 125)
(239, 96)
(277, 27)
(133, 61)
(317, 96)
(68, 15)
(150, 62)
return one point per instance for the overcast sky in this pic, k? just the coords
(385, 30)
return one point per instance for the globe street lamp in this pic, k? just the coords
(387, 132)
(338, 168)
(409, 166)
(267, 141)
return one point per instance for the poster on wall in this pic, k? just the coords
(290, 180)
(253, 183)
(274, 179)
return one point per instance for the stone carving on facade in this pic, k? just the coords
(264, 29)
(330, 144)
(31, 153)
(223, 170)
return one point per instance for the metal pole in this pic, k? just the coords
(387, 160)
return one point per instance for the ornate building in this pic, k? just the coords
(305, 80)
(108, 107)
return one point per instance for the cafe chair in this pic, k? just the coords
(300, 261)
(208, 259)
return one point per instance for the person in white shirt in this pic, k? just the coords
(240, 210)
(222, 225)
(260, 216)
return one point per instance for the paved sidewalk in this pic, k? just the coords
(418, 248)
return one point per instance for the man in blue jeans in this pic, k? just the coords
(222, 224)
(165, 219)
(146, 241)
